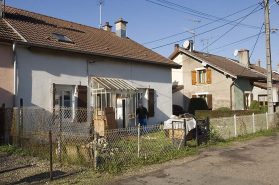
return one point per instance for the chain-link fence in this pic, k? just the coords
(75, 141)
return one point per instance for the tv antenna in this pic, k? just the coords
(100, 3)
(192, 32)
(207, 42)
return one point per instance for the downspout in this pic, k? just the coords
(15, 73)
(231, 102)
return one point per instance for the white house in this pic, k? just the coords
(64, 64)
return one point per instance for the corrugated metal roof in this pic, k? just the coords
(114, 84)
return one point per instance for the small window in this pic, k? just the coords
(62, 38)
(201, 76)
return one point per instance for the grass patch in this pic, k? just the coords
(9, 149)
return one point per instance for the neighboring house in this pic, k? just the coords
(260, 88)
(221, 81)
(64, 64)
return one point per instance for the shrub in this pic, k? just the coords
(254, 105)
(224, 108)
(264, 108)
(197, 104)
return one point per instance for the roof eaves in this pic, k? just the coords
(176, 66)
(224, 72)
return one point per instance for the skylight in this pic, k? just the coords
(62, 38)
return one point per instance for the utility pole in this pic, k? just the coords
(194, 31)
(268, 57)
(100, 3)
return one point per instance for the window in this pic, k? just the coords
(62, 38)
(201, 76)
(207, 98)
(263, 100)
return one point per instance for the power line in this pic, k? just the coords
(199, 14)
(256, 41)
(202, 32)
(199, 26)
(231, 28)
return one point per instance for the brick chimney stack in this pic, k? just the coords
(244, 57)
(259, 63)
(120, 28)
(107, 27)
(278, 68)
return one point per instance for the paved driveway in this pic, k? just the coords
(253, 162)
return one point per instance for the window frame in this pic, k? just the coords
(203, 75)
(265, 100)
(66, 39)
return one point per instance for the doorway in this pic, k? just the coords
(124, 112)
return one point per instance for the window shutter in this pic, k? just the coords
(151, 102)
(82, 103)
(194, 96)
(208, 76)
(194, 77)
(209, 101)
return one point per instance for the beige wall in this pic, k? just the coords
(6, 75)
(220, 87)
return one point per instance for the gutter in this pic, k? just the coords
(176, 66)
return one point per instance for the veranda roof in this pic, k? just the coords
(114, 84)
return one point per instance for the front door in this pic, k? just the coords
(121, 113)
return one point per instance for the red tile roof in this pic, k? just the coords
(264, 85)
(230, 66)
(39, 29)
(264, 71)
(6, 32)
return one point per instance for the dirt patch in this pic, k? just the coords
(30, 170)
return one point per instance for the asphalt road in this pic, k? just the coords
(253, 162)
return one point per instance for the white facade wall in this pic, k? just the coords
(37, 71)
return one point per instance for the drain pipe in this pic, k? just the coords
(231, 93)
(15, 73)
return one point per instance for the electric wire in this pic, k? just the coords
(256, 41)
(199, 26)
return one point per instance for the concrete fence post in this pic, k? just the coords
(266, 117)
(253, 119)
(95, 147)
(138, 140)
(235, 133)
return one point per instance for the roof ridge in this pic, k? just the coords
(54, 18)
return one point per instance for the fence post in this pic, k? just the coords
(21, 122)
(253, 119)
(172, 129)
(138, 140)
(266, 116)
(95, 147)
(50, 155)
(235, 133)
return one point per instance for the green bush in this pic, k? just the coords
(254, 105)
(224, 108)
(197, 104)
(202, 114)
(264, 108)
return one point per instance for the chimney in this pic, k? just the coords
(107, 27)
(278, 68)
(176, 46)
(244, 57)
(259, 63)
(191, 46)
(120, 28)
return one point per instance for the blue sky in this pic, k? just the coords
(149, 22)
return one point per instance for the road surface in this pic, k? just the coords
(253, 162)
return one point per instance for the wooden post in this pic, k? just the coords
(50, 155)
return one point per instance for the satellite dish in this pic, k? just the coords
(235, 52)
(186, 44)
